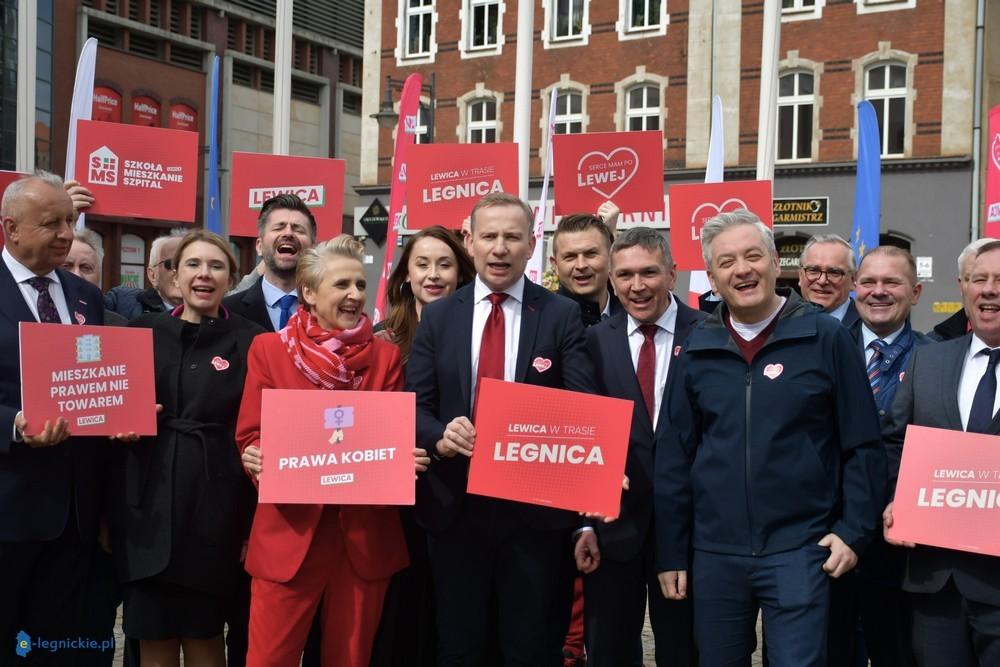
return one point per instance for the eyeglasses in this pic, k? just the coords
(167, 263)
(833, 275)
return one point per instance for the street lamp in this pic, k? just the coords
(387, 116)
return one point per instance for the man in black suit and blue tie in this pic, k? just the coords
(953, 385)
(501, 326)
(633, 352)
(49, 488)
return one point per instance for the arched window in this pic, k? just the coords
(569, 112)
(796, 106)
(642, 107)
(482, 125)
(886, 89)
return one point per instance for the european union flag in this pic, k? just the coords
(867, 191)
(213, 209)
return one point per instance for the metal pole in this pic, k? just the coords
(977, 122)
(432, 108)
(282, 77)
(767, 118)
(522, 91)
(27, 40)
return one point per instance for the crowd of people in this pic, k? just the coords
(765, 443)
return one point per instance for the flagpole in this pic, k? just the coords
(27, 40)
(767, 118)
(282, 76)
(213, 205)
(522, 91)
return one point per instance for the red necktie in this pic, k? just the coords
(645, 370)
(491, 349)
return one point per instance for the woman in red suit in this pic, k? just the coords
(304, 556)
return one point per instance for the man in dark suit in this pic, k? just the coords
(957, 324)
(503, 327)
(952, 385)
(826, 276)
(633, 352)
(285, 228)
(579, 256)
(49, 488)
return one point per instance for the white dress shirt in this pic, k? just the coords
(663, 342)
(271, 296)
(23, 274)
(972, 372)
(867, 336)
(841, 310)
(511, 308)
(751, 331)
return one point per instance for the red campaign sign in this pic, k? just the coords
(107, 105)
(624, 167)
(100, 379)
(550, 447)
(138, 172)
(256, 177)
(691, 205)
(145, 111)
(183, 117)
(339, 449)
(993, 176)
(444, 181)
(948, 491)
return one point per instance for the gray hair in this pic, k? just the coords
(90, 238)
(723, 221)
(852, 263)
(16, 189)
(313, 263)
(644, 237)
(971, 250)
(157, 245)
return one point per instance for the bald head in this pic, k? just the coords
(38, 219)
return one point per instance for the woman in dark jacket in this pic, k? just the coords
(183, 505)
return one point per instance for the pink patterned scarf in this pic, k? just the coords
(328, 359)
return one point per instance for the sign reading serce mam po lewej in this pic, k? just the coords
(801, 210)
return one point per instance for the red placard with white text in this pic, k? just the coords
(339, 448)
(691, 205)
(100, 379)
(256, 177)
(624, 167)
(138, 172)
(444, 181)
(550, 447)
(145, 111)
(992, 219)
(948, 491)
(183, 117)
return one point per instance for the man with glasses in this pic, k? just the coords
(826, 276)
(163, 295)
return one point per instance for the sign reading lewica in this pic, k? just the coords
(339, 449)
(803, 211)
(550, 447)
(256, 177)
(138, 172)
(99, 379)
(444, 181)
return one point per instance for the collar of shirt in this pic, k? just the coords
(515, 291)
(867, 335)
(272, 293)
(841, 310)
(21, 273)
(667, 321)
(606, 313)
(975, 347)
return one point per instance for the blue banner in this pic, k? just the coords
(867, 191)
(213, 207)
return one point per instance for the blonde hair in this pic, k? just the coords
(312, 264)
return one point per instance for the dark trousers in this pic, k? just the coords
(473, 563)
(616, 595)
(887, 618)
(789, 588)
(103, 596)
(238, 621)
(950, 629)
(42, 592)
(846, 639)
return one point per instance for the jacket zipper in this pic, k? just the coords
(746, 462)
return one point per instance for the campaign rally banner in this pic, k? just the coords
(256, 177)
(550, 446)
(99, 379)
(136, 171)
(691, 205)
(948, 491)
(446, 180)
(624, 167)
(993, 175)
(337, 447)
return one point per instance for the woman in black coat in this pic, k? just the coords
(183, 505)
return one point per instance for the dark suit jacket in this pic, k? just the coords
(851, 316)
(37, 486)
(928, 396)
(607, 343)
(250, 304)
(439, 371)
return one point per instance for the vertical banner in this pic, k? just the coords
(81, 108)
(213, 204)
(409, 107)
(699, 283)
(867, 188)
(992, 218)
(536, 265)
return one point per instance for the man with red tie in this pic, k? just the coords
(500, 326)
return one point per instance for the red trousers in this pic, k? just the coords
(281, 613)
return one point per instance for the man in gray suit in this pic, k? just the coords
(953, 385)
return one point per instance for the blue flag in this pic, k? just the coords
(213, 208)
(867, 189)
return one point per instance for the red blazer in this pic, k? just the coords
(281, 534)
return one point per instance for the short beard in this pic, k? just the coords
(277, 271)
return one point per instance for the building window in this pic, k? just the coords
(642, 108)
(569, 113)
(797, 5)
(484, 23)
(872, 6)
(644, 14)
(886, 89)
(421, 135)
(568, 20)
(796, 104)
(419, 28)
(482, 125)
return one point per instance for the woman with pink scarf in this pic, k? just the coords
(337, 559)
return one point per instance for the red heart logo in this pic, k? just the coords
(996, 150)
(541, 365)
(708, 209)
(772, 371)
(219, 363)
(597, 168)
(80, 319)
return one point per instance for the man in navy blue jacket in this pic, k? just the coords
(771, 468)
